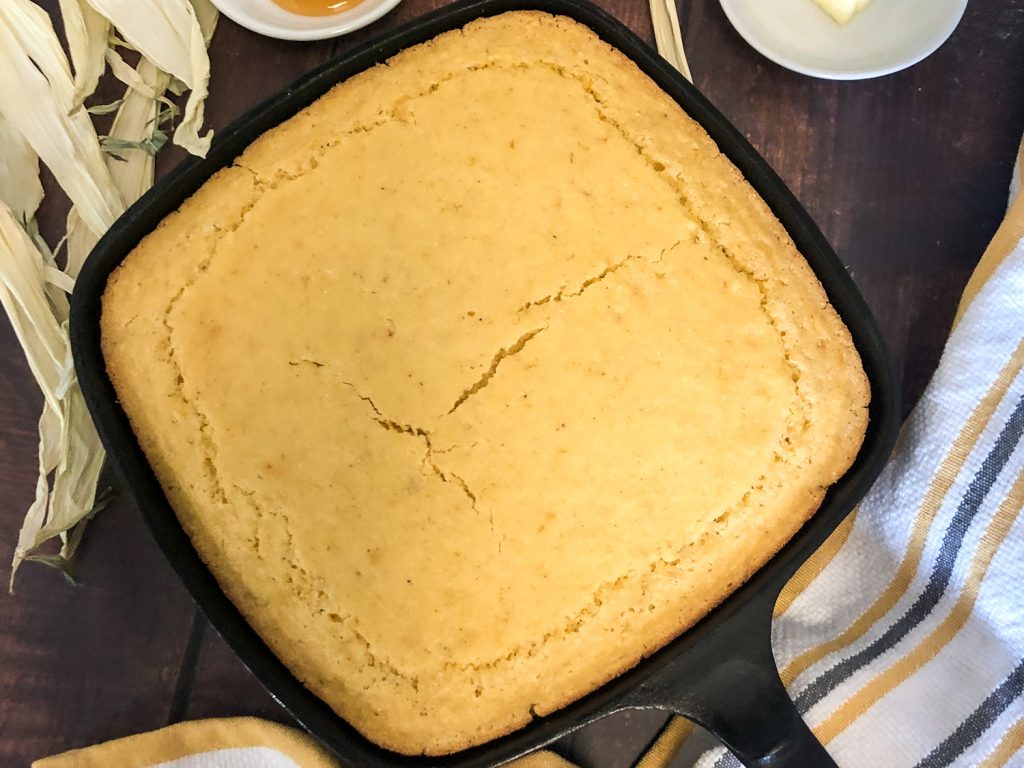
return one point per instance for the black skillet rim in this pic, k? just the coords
(138, 477)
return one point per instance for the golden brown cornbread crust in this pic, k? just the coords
(481, 379)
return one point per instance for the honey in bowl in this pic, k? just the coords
(317, 7)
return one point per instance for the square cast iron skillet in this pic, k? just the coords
(720, 673)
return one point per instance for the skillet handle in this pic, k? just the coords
(727, 681)
(771, 733)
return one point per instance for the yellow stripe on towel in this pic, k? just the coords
(1008, 746)
(667, 745)
(815, 564)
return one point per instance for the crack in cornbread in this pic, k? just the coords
(492, 369)
(480, 379)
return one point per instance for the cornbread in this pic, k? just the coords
(480, 379)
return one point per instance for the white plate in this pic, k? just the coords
(889, 35)
(268, 18)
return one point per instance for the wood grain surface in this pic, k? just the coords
(907, 175)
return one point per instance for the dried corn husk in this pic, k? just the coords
(136, 121)
(45, 121)
(668, 37)
(177, 47)
(128, 75)
(19, 173)
(87, 33)
(80, 242)
(132, 170)
(69, 448)
(207, 14)
(35, 319)
(36, 97)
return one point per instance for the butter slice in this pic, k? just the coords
(843, 10)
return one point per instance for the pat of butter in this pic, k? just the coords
(843, 10)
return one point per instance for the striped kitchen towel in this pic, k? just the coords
(902, 639)
(234, 742)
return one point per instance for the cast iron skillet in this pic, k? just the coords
(721, 673)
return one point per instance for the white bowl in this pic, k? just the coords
(889, 35)
(268, 18)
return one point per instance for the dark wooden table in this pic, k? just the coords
(907, 175)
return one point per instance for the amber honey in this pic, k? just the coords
(317, 7)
